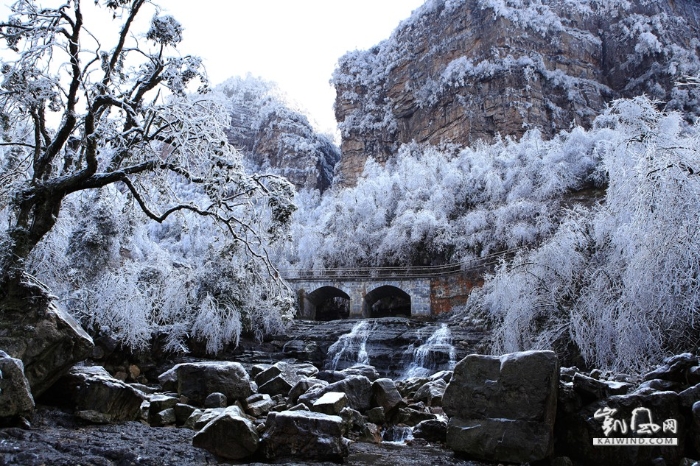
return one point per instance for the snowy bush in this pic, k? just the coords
(619, 280)
(431, 204)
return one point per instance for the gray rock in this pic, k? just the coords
(330, 403)
(412, 417)
(689, 396)
(281, 377)
(166, 417)
(299, 407)
(386, 396)
(432, 430)
(302, 387)
(304, 435)
(362, 369)
(183, 412)
(15, 393)
(157, 404)
(675, 368)
(503, 408)
(260, 407)
(93, 389)
(196, 380)
(207, 415)
(432, 392)
(443, 375)
(353, 423)
(357, 388)
(44, 337)
(258, 368)
(193, 418)
(215, 400)
(228, 436)
(376, 415)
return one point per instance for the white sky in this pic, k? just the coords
(295, 43)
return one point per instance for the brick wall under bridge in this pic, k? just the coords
(428, 295)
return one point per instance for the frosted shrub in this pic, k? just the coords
(453, 203)
(620, 280)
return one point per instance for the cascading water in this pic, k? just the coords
(351, 347)
(437, 353)
(397, 435)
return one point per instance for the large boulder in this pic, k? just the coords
(304, 435)
(44, 337)
(281, 377)
(229, 436)
(97, 396)
(385, 395)
(503, 408)
(197, 380)
(15, 394)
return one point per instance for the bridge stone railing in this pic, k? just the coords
(399, 273)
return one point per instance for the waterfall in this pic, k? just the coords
(437, 353)
(397, 435)
(351, 347)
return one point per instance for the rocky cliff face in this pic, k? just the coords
(458, 71)
(275, 138)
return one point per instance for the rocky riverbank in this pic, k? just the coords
(384, 391)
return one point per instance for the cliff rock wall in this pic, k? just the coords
(458, 71)
(275, 138)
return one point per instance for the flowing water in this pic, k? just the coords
(435, 354)
(351, 347)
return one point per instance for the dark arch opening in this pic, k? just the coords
(329, 303)
(387, 301)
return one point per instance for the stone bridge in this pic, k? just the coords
(386, 291)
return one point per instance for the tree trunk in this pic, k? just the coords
(34, 218)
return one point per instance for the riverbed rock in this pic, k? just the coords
(503, 408)
(432, 430)
(431, 392)
(215, 400)
(362, 369)
(90, 389)
(259, 404)
(157, 404)
(385, 395)
(196, 380)
(304, 435)
(357, 388)
(15, 393)
(281, 377)
(674, 368)
(302, 387)
(229, 436)
(34, 329)
(330, 403)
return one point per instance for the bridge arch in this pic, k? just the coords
(387, 301)
(327, 303)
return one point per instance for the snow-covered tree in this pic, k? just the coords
(619, 280)
(85, 116)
